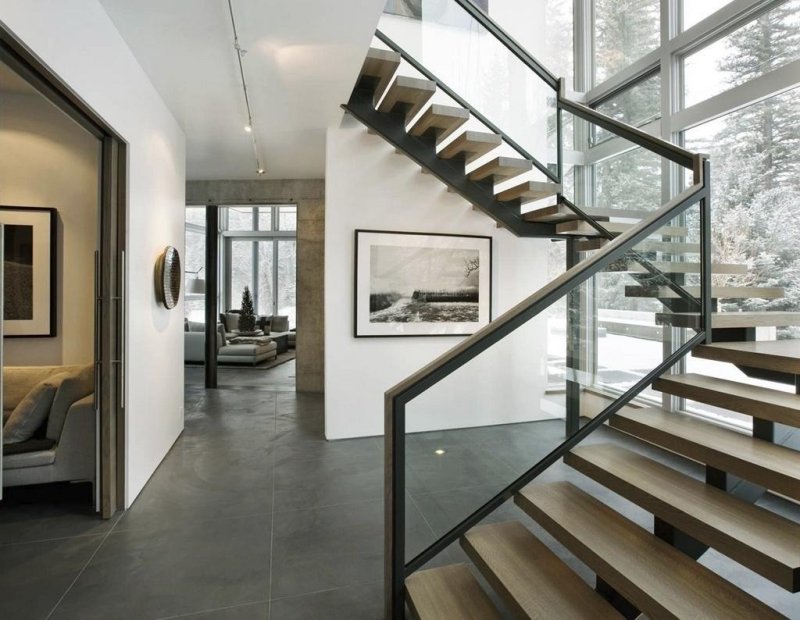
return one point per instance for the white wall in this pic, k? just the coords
(79, 42)
(47, 160)
(368, 186)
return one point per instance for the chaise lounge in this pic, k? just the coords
(254, 352)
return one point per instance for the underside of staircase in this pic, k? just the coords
(651, 571)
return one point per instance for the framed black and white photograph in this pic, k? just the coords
(29, 270)
(421, 284)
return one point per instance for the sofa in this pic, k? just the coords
(273, 326)
(64, 446)
(227, 352)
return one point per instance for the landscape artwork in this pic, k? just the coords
(410, 284)
(29, 268)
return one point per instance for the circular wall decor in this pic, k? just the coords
(168, 277)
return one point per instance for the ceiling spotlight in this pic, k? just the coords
(260, 171)
(248, 128)
(439, 452)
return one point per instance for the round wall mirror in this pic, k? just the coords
(168, 277)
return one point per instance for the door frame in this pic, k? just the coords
(110, 284)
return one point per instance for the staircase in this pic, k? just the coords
(653, 571)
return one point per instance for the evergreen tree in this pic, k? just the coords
(247, 318)
(756, 164)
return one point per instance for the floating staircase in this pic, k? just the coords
(638, 571)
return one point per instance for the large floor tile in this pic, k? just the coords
(363, 602)
(203, 565)
(34, 576)
(250, 611)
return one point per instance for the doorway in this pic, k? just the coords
(87, 268)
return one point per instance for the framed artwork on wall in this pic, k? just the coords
(29, 271)
(421, 284)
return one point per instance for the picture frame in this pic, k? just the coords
(30, 308)
(421, 284)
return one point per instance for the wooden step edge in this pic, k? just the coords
(474, 143)
(530, 189)
(757, 538)
(381, 65)
(500, 169)
(777, 355)
(439, 120)
(687, 268)
(412, 93)
(513, 560)
(655, 577)
(580, 227)
(756, 401)
(717, 292)
(730, 320)
(448, 592)
(763, 463)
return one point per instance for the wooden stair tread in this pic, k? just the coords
(717, 292)
(655, 577)
(562, 213)
(727, 320)
(448, 592)
(667, 247)
(439, 120)
(584, 229)
(408, 95)
(530, 190)
(780, 355)
(757, 538)
(759, 402)
(530, 578)
(501, 168)
(761, 462)
(381, 65)
(473, 144)
(684, 267)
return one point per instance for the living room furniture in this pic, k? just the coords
(272, 326)
(64, 447)
(227, 352)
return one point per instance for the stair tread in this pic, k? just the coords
(448, 592)
(439, 120)
(512, 560)
(761, 462)
(684, 267)
(407, 92)
(648, 245)
(717, 292)
(780, 355)
(562, 213)
(533, 190)
(380, 64)
(726, 320)
(473, 143)
(757, 401)
(582, 228)
(657, 578)
(501, 168)
(757, 538)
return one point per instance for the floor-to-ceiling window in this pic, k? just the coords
(194, 264)
(721, 77)
(260, 252)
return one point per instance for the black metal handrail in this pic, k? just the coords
(442, 85)
(396, 398)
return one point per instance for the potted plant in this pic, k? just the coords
(247, 317)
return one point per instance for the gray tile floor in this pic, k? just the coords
(254, 515)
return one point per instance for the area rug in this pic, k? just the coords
(281, 359)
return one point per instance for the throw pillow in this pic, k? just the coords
(280, 323)
(32, 411)
(232, 322)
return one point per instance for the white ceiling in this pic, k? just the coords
(302, 61)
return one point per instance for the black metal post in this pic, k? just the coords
(574, 329)
(212, 280)
(394, 507)
(706, 297)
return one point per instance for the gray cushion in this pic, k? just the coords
(72, 389)
(39, 458)
(280, 323)
(195, 326)
(231, 321)
(29, 445)
(32, 410)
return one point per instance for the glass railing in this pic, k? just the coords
(482, 68)
(477, 424)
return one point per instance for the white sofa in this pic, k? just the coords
(65, 448)
(227, 353)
